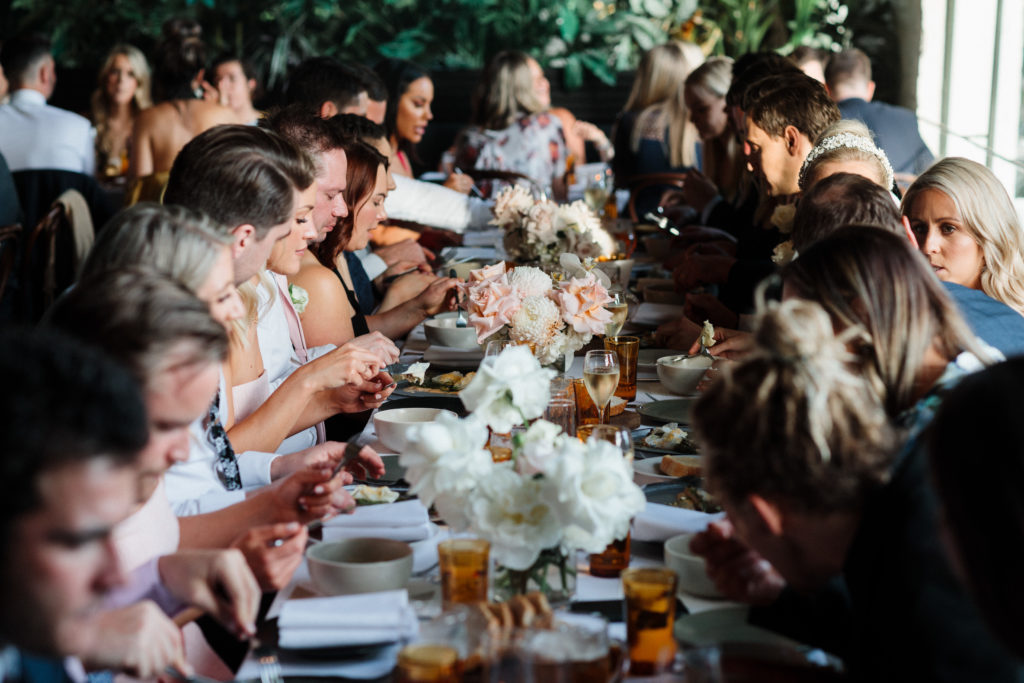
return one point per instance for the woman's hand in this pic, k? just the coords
(460, 182)
(218, 582)
(377, 344)
(273, 552)
(731, 344)
(438, 296)
(346, 365)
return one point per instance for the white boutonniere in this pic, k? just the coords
(299, 297)
(782, 217)
(783, 253)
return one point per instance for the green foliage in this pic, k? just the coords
(581, 37)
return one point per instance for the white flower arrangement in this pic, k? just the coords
(540, 230)
(555, 492)
(526, 306)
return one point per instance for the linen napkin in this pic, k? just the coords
(407, 520)
(346, 620)
(652, 315)
(661, 522)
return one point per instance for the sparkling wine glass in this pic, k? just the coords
(619, 308)
(601, 376)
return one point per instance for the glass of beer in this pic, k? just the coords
(428, 663)
(628, 350)
(601, 377)
(650, 618)
(464, 563)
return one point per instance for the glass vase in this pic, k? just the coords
(553, 574)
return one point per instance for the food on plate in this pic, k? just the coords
(372, 495)
(415, 374)
(670, 437)
(707, 334)
(501, 619)
(453, 381)
(680, 465)
(694, 497)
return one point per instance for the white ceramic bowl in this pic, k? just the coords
(441, 331)
(393, 425)
(359, 565)
(681, 374)
(693, 576)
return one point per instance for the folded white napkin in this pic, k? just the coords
(656, 314)
(661, 522)
(404, 513)
(346, 620)
(447, 354)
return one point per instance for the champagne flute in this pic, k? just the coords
(619, 308)
(601, 376)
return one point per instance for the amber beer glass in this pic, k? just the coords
(628, 350)
(428, 663)
(650, 618)
(464, 564)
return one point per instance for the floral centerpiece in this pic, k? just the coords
(555, 496)
(539, 230)
(525, 305)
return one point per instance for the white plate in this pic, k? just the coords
(648, 472)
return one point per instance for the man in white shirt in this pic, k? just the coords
(34, 135)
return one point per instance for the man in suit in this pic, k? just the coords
(848, 78)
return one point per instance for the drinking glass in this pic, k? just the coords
(496, 346)
(628, 351)
(650, 618)
(586, 411)
(601, 377)
(611, 561)
(619, 308)
(595, 194)
(614, 434)
(464, 564)
(428, 663)
(576, 652)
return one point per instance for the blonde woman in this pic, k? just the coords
(846, 147)
(512, 128)
(966, 225)
(830, 494)
(122, 91)
(654, 133)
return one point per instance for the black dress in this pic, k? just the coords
(359, 325)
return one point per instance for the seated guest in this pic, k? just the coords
(236, 84)
(842, 199)
(376, 92)
(122, 92)
(846, 147)
(966, 226)
(827, 504)
(511, 128)
(653, 133)
(982, 491)
(181, 113)
(577, 133)
(848, 77)
(410, 94)
(70, 476)
(328, 86)
(333, 314)
(33, 134)
(811, 60)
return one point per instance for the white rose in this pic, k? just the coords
(596, 497)
(540, 223)
(508, 389)
(539, 447)
(445, 459)
(512, 513)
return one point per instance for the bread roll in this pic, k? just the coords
(680, 465)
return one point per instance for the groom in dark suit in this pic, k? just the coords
(848, 78)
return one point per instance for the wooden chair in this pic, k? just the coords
(645, 181)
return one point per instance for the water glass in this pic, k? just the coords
(650, 618)
(628, 351)
(464, 563)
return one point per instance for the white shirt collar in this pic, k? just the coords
(27, 97)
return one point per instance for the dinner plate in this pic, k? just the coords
(665, 492)
(671, 410)
(648, 472)
(647, 359)
(638, 444)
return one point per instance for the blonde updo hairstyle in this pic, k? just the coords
(823, 437)
(988, 217)
(846, 140)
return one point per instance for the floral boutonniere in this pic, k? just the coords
(782, 217)
(299, 297)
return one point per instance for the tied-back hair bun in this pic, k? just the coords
(795, 419)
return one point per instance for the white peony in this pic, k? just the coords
(529, 281)
(508, 389)
(536, 321)
(595, 496)
(539, 447)
(445, 459)
(513, 514)
(511, 205)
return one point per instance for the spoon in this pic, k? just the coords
(460, 321)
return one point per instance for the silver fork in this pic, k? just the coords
(268, 664)
(460, 320)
